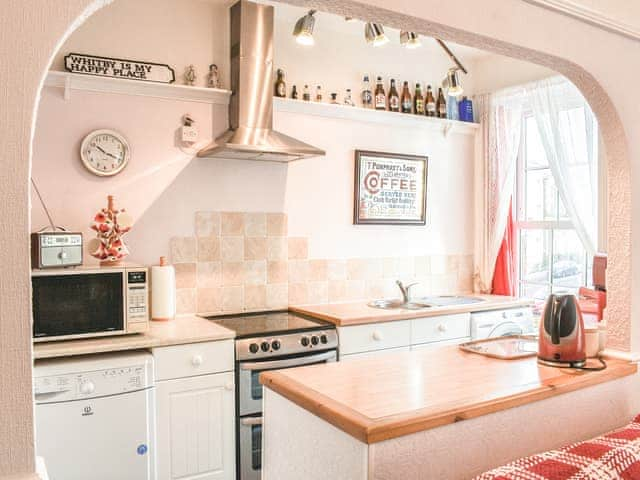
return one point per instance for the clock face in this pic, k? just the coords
(104, 152)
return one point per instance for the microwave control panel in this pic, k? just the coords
(138, 295)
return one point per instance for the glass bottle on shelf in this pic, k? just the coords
(452, 108)
(306, 94)
(366, 96)
(347, 98)
(281, 87)
(394, 98)
(430, 103)
(405, 99)
(380, 97)
(334, 99)
(294, 93)
(318, 93)
(441, 105)
(418, 101)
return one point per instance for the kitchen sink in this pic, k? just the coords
(426, 302)
(392, 304)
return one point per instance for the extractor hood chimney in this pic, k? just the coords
(250, 135)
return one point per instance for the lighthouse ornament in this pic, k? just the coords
(110, 226)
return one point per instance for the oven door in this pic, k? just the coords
(250, 434)
(249, 387)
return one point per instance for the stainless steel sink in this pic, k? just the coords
(426, 302)
(392, 304)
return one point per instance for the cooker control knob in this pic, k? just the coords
(324, 339)
(276, 344)
(315, 340)
(87, 387)
(304, 341)
(254, 347)
(265, 346)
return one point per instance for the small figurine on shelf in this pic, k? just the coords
(213, 79)
(111, 225)
(348, 100)
(190, 76)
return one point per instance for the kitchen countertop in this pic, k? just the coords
(358, 313)
(181, 330)
(382, 397)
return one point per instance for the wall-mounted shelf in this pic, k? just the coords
(75, 81)
(359, 114)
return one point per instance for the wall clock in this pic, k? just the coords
(105, 152)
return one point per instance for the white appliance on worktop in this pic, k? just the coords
(501, 323)
(95, 416)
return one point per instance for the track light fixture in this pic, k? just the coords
(374, 34)
(409, 39)
(303, 30)
(452, 81)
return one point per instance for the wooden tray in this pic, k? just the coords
(505, 348)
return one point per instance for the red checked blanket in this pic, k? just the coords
(613, 456)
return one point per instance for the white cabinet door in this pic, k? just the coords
(195, 427)
(440, 328)
(374, 336)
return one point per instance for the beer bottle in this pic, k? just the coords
(418, 101)
(318, 93)
(366, 97)
(394, 99)
(380, 96)
(306, 95)
(430, 103)
(441, 104)
(294, 93)
(281, 87)
(406, 98)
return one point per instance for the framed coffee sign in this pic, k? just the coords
(390, 188)
(119, 68)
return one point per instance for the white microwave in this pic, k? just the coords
(89, 302)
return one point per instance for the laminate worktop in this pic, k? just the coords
(383, 397)
(181, 330)
(358, 313)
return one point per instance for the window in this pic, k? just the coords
(551, 256)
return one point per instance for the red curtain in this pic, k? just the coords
(504, 276)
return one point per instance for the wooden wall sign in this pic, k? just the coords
(119, 68)
(390, 189)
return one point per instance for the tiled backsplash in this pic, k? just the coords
(239, 262)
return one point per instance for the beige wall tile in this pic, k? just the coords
(298, 248)
(209, 274)
(465, 283)
(255, 224)
(444, 284)
(337, 290)
(255, 248)
(390, 267)
(390, 288)
(232, 274)
(232, 224)
(277, 272)
(298, 271)
(374, 268)
(277, 224)
(423, 289)
(318, 292)
(183, 249)
(232, 249)
(356, 269)
(209, 300)
(298, 294)
(337, 269)
(356, 290)
(406, 268)
(208, 249)
(318, 270)
(277, 248)
(232, 299)
(207, 224)
(185, 275)
(453, 263)
(277, 296)
(255, 272)
(422, 266)
(466, 265)
(374, 289)
(185, 300)
(438, 264)
(255, 297)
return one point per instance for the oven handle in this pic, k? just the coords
(251, 421)
(292, 362)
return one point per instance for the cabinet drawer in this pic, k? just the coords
(353, 356)
(444, 343)
(442, 327)
(375, 336)
(193, 359)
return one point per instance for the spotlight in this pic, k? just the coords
(409, 39)
(303, 30)
(452, 83)
(350, 19)
(374, 34)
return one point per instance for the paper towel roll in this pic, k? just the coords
(163, 291)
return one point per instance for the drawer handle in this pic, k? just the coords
(228, 386)
(442, 327)
(377, 336)
(197, 360)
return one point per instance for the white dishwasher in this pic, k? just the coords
(94, 416)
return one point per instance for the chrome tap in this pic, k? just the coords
(405, 290)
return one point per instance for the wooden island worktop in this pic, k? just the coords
(380, 398)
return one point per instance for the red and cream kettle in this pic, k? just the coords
(562, 342)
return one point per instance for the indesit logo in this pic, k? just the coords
(86, 411)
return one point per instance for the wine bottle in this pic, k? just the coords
(406, 98)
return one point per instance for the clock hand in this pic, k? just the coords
(107, 153)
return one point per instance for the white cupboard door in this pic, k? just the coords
(195, 427)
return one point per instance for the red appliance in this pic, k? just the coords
(594, 300)
(561, 342)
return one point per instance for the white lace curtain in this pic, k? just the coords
(568, 132)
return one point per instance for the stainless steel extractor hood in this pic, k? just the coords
(250, 135)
